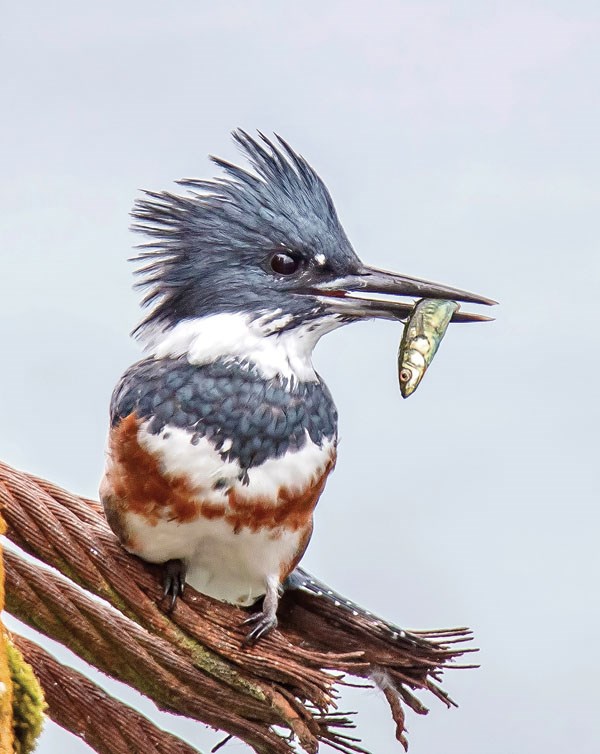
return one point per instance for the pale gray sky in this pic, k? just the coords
(460, 143)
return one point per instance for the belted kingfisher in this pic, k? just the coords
(222, 439)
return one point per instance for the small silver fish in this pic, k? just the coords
(423, 333)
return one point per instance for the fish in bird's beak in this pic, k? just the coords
(377, 293)
(422, 336)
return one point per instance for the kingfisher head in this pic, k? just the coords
(255, 266)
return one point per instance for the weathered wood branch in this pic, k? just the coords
(191, 661)
(80, 706)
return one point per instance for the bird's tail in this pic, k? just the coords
(300, 580)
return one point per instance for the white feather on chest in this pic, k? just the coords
(230, 565)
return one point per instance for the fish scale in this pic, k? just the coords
(423, 333)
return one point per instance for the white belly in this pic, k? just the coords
(230, 564)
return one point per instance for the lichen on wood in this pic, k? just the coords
(29, 705)
(22, 704)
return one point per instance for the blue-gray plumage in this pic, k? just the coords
(223, 401)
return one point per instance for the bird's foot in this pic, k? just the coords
(174, 572)
(263, 622)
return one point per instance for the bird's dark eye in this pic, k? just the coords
(284, 264)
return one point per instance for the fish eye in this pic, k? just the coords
(284, 264)
(405, 375)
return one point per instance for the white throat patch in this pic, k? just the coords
(239, 337)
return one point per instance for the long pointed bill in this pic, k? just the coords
(378, 293)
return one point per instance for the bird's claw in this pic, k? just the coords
(174, 572)
(263, 622)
